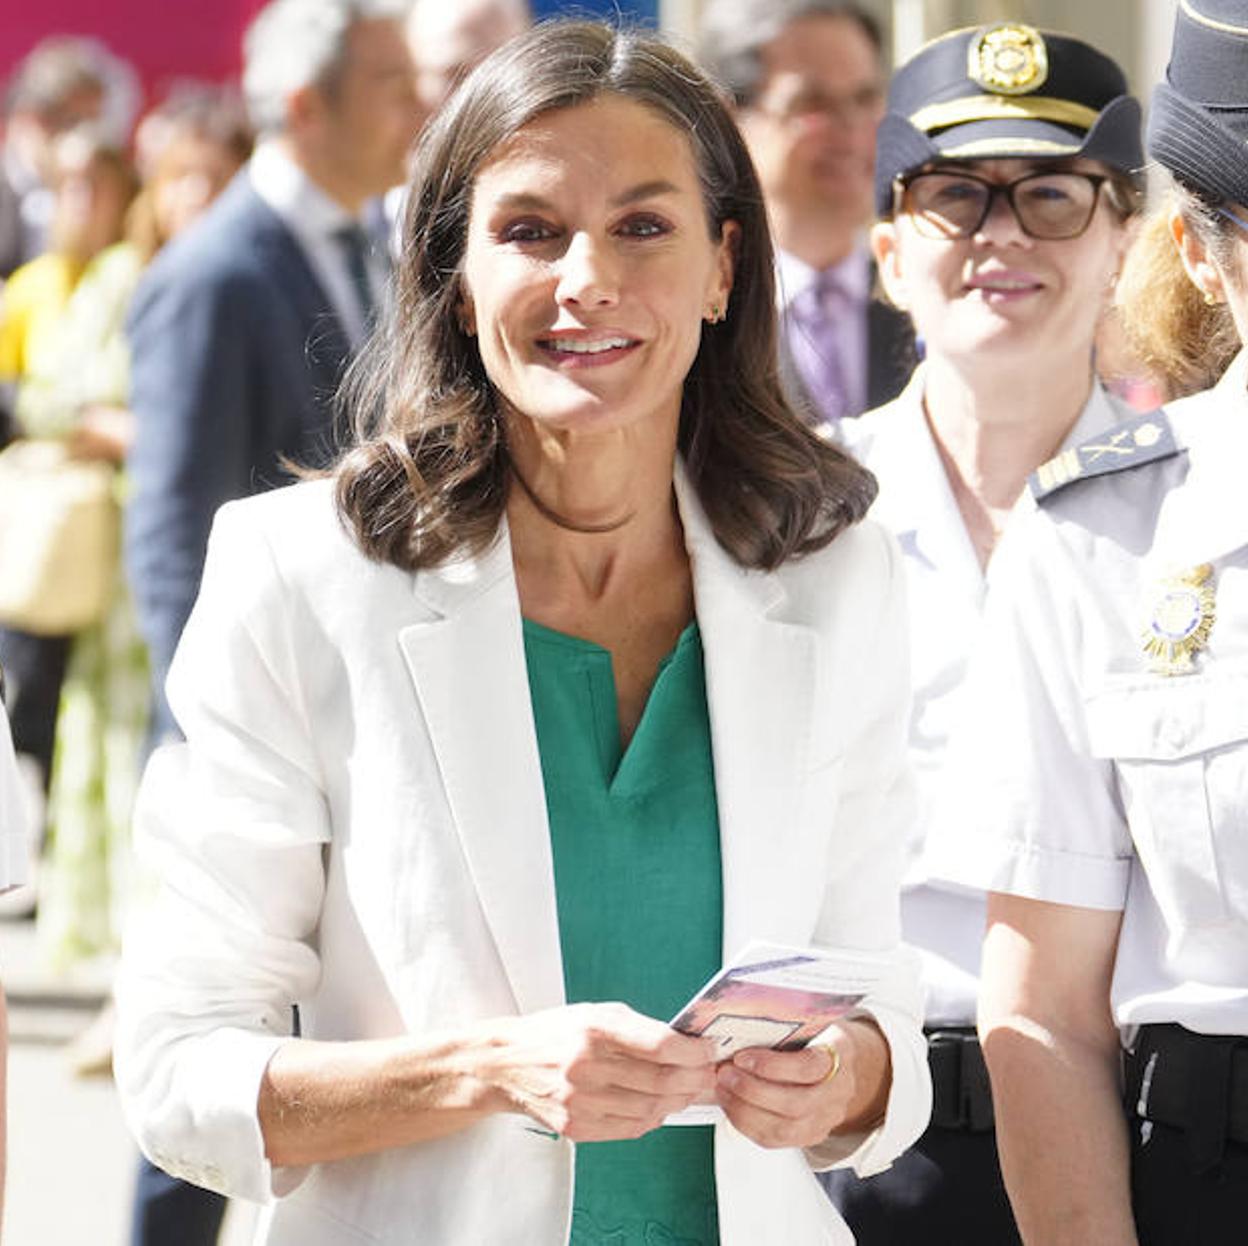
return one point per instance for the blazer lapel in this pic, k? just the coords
(760, 681)
(469, 669)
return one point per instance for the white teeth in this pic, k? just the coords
(589, 348)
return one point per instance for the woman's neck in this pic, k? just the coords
(993, 428)
(590, 517)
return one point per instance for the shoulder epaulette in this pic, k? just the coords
(1141, 439)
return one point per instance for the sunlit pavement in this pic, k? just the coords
(71, 1161)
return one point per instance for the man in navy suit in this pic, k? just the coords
(240, 332)
(242, 328)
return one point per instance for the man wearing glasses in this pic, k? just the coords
(808, 83)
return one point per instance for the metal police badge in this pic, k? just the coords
(1182, 617)
(1008, 59)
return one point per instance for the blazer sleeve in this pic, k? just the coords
(191, 338)
(233, 823)
(861, 906)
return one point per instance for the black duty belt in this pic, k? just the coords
(1194, 1082)
(961, 1094)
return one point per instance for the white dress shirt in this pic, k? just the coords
(947, 594)
(1090, 778)
(314, 217)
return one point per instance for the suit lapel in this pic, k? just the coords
(327, 348)
(760, 680)
(469, 669)
(890, 351)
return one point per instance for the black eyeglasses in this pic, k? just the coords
(1049, 206)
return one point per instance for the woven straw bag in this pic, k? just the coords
(60, 536)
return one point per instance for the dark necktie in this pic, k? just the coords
(356, 245)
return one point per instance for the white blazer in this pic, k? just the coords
(357, 824)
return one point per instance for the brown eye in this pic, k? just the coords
(644, 227)
(526, 231)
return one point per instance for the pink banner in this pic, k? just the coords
(163, 39)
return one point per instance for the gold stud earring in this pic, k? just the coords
(1210, 301)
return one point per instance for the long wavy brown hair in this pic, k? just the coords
(428, 477)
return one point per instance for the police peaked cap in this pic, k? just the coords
(1005, 90)
(1198, 125)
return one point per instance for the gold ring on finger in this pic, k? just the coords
(835, 1057)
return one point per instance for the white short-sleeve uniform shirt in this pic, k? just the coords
(947, 594)
(1089, 777)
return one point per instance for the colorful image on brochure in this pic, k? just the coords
(780, 1003)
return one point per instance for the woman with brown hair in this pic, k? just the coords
(578, 673)
(1110, 745)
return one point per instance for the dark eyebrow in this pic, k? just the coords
(644, 190)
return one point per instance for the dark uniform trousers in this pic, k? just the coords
(1187, 1106)
(947, 1188)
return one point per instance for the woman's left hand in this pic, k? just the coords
(798, 1098)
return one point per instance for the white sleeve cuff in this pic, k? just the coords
(1022, 869)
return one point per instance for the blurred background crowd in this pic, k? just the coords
(156, 303)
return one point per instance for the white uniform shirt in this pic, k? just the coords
(947, 591)
(1086, 777)
(314, 217)
(14, 845)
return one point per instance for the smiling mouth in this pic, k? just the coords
(1005, 286)
(587, 350)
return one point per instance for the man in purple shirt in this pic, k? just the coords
(808, 83)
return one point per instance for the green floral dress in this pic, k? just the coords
(77, 360)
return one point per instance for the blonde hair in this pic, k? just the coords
(1184, 341)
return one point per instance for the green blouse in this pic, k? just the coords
(635, 839)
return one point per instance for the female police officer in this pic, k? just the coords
(1110, 761)
(1005, 182)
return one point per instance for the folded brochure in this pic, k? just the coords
(777, 997)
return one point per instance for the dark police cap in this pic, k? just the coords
(1005, 90)
(1198, 124)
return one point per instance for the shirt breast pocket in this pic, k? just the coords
(1180, 746)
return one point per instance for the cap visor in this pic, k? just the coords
(981, 140)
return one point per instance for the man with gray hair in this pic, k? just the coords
(449, 40)
(242, 327)
(807, 80)
(240, 332)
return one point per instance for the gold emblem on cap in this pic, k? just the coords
(1008, 58)
(1182, 617)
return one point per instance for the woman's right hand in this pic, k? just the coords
(598, 1072)
(102, 434)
